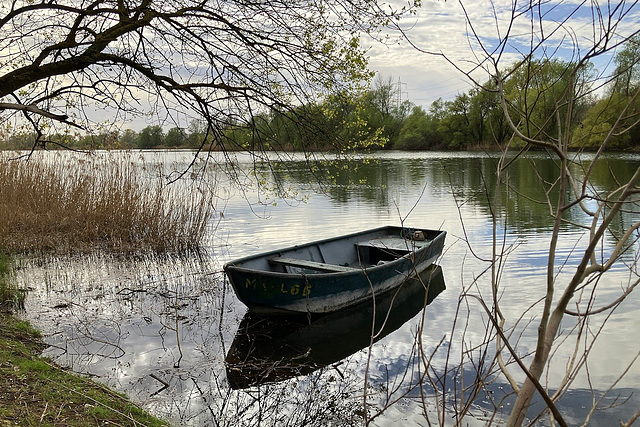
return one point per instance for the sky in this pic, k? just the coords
(440, 26)
(410, 58)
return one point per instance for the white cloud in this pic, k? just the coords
(441, 27)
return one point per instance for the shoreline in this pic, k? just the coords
(36, 391)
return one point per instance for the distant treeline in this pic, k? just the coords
(149, 137)
(535, 98)
(472, 120)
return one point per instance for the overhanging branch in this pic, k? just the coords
(34, 109)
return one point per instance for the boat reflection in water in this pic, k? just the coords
(271, 349)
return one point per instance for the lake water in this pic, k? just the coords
(160, 328)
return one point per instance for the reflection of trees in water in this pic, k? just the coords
(321, 398)
(524, 202)
(606, 176)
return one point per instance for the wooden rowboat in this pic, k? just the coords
(332, 274)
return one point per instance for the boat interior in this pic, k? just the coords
(345, 254)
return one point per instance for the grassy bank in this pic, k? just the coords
(35, 392)
(57, 202)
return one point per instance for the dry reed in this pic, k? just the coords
(66, 203)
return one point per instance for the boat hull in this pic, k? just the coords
(270, 349)
(303, 291)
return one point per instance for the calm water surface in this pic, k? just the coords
(160, 328)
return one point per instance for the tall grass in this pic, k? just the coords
(66, 203)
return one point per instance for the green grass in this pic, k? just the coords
(11, 297)
(26, 328)
(35, 392)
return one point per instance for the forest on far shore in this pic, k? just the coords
(473, 120)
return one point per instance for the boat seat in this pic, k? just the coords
(394, 244)
(313, 265)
